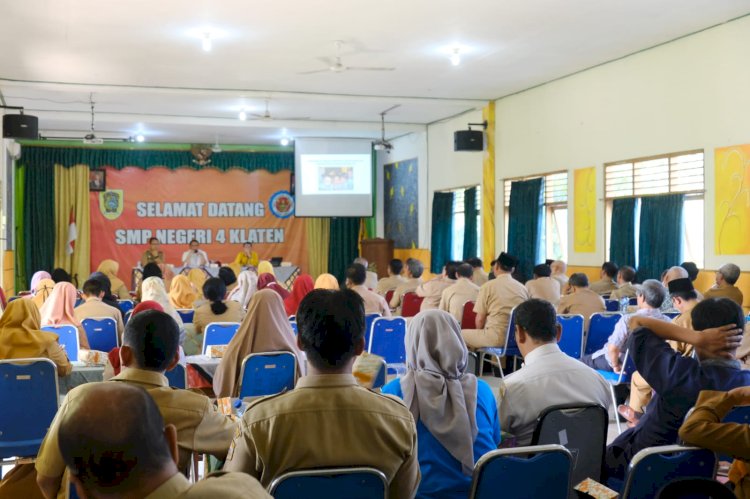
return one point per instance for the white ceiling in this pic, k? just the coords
(143, 62)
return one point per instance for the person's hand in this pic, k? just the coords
(741, 395)
(720, 341)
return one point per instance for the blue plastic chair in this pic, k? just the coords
(612, 305)
(654, 467)
(101, 333)
(125, 306)
(29, 401)
(294, 327)
(186, 314)
(571, 340)
(510, 349)
(535, 471)
(369, 319)
(333, 483)
(177, 377)
(68, 338)
(267, 373)
(601, 326)
(672, 315)
(387, 340)
(219, 333)
(614, 379)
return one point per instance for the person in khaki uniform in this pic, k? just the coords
(456, 295)
(543, 286)
(374, 303)
(558, 273)
(432, 290)
(480, 276)
(494, 305)
(394, 279)
(150, 347)
(726, 277)
(414, 270)
(371, 279)
(625, 288)
(606, 284)
(95, 307)
(136, 456)
(581, 299)
(328, 420)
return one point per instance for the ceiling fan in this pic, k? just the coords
(336, 66)
(266, 116)
(382, 144)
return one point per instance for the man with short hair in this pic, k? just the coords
(480, 276)
(625, 287)
(93, 306)
(414, 270)
(559, 268)
(456, 295)
(371, 279)
(494, 305)
(542, 286)
(150, 347)
(194, 256)
(328, 420)
(394, 279)
(692, 270)
(548, 377)
(355, 280)
(606, 284)
(581, 300)
(432, 290)
(726, 277)
(118, 453)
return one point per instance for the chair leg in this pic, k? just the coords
(614, 408)
(500, 366)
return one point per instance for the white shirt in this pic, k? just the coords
(192, 259)
(548, 378)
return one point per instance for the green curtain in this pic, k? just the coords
(343, 245)
(660, 241)
(442, 230)
(20, 278)
(525, 225)
(622, 235)
(39, 218)
(470, 223)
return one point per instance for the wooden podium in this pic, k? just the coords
(380, 252)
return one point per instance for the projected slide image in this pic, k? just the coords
(335, 174)
(335, 179)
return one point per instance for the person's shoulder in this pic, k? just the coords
(226, 484)
(484, 391)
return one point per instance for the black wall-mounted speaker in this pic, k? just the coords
(468, 140)
(20, 126)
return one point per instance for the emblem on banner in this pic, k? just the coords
(111, 203)
(201, 154)
(282, 204)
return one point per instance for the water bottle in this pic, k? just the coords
(624, 304)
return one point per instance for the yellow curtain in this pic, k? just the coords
(72, 197)
(318, 234)
(488, 189)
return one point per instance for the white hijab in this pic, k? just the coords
(247, 285)
(153, 289)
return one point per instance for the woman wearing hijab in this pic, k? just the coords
(42, 291)
(152, 289)
(110, 268)
(265, 267)
(247, 285)
(182, 293)
(58, 310)
(197, 277)
(216, 310)
(303, 284)
(268, 281)
(266, 328)
(327, 281)
(38, 276)
(108, 297)
(456, 414)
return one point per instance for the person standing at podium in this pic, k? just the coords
(194, 257)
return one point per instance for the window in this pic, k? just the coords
(457, 249)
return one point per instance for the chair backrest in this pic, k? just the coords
(186, 314)
(68, 338)
(654, 467)
(292, 318)
(537, 471)
(571, 340)
(628, 368)
(101, 333)
(369, 319)
(267, 373)
(612, 305)
(29, 401)
(695, 487)
(294, 327)
(334, 483)
(126, 317)
(600, 327)
(382, 376)
(582, 429)
(468, 317)
(411, 304)
(511, 347)
(633, 302)
(389, 295)
(219, 333)
(125, 306)
(387, 339)
(672, 315)
(177, 377)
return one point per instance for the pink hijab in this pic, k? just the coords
(269, 281)
(58, 309)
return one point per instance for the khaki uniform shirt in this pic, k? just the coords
(582, 301)
(94, 307)
(545, 288)
(456, 295)
(204, 316)
(627, 290)
(432, 291)
(480, 276)
(216, 485)
(408, 286)
(603, 286)
(731, 292)
(686, 321)
(388, 283)
(496, 301)
(371, 281)
(374, 303)
(328, 421)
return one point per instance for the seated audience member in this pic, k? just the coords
(625, 287)
(677, 380)
(149, 270)
(93, 306)
(581, 300)
(265, 328)
(414, 270)
(247, 285)
(42, 291)
(194, 257)
(268, 281)
(61, 275)
(609, 358)
(548, 377)
(198, 278)
(374, 303)
(704, 428)
(692, 270)
(432, 290)
(150, 347)
(494, 305)
(217, 309)
(227, 275)
(543, 286)
(113, 366)
(606, 284)
(480, 276)
(456, 413)
(371, 281)
(302, 285)
(394, 279)
(456, 295)
(327, 412)
(35, 279)
(726, 277)
(327, 281)
(58, 310)
(135, 457)
(110, 268)
(152, 289)
(247, 257)
(153, 254)
(265, 267)
(107, 296)
(559, 268)
(182, 292)
(671, 274)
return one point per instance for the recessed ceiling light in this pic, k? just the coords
(455, 57)
(140, 138)
(243, 115)
(284, 141)
(206, 42)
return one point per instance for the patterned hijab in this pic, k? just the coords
(38, 276)
(42, 291)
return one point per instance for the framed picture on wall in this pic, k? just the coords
(97, 180)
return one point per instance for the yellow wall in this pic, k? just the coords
(9, 273)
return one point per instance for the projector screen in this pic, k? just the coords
(333, 178)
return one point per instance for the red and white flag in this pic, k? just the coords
(72, 232)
